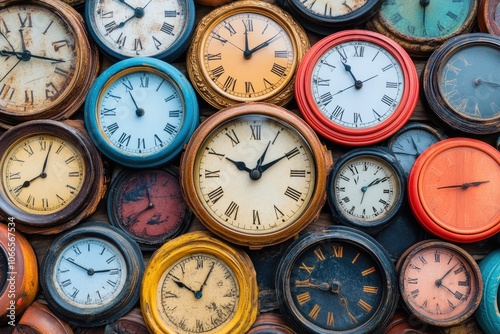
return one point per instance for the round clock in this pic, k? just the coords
(404, 323)
(440, 283)
(52, 176)
(336, 280)
(453, 190)
(356, 87)
(325, 17)
(422, 26)
(408, 143)
(18, 273)
(255, 174)
(196, 283)
(140, 112)
(124, 29)
(366, 188)
(132, 322)
(38, 318)
(487, 314)
(460, 87)
(48, 63)
(148, 205)
(488, 16)
(212, 2)
(246, 51)
(92, 274)
(270, 323)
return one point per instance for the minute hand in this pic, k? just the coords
(265, 167)
(464, 185)
(261, 45)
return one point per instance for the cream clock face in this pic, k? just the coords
(255, 174)
(329, 8)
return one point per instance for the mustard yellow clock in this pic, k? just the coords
(196, 283)
(246, 51)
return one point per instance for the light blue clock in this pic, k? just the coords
(141, 28)
(140, 112)
(488, 312)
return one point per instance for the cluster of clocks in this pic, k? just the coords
(257, 171)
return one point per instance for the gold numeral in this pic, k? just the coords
(303, 298)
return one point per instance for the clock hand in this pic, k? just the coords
(43, 174)
(439, 282)
(240, 165)
(406, 153)
(262, 45)
(126, 4)
(198, 293)
(343, 90)
(80, 266)
(357, 83)
(104, 270)
(374, 182)
(138, 13)
(5, 37)
(6, 74)
(323, 286)
(26, 55)
(138, 111)
(343, 302)
(478, 81)
(464, 185)
(265, 167)
(22, 40)
(246, 52)
(424, 4)
(181, 285)
(223, 40)
(459, 297)
(415, 146)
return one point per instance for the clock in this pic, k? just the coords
(255, 174)
(124, 29)
(325, 17)
(402, 322)
(453, 190)
(38, 318)
(212, 2)
(140, 112)
(52, 175)
(48, 63)
(270, 323)
(148, 205)
(420, 27)
(336, 279)
(366, 188)
(356, 87)
(459, 86)
(246, 51)
(18, 273)
(487, 312)
(411, 140)
(488, 16)
(132, 322)
(440, 283)
(197, 283)
(92, 274)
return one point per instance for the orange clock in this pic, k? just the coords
(453, 189)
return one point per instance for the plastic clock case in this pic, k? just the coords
(163, 152)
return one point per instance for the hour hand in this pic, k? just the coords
(464, 185)
(240, 165)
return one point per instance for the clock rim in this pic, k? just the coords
(352, 136)
(487, 313)
(486, 17)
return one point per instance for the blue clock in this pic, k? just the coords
(140, 112)
(137, 28)
(488, 312)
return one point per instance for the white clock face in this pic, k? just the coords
(357, 84)
(89, 272)
(366, 188)
(138, 28)
(329, 8)
(256, 174)
(140, 113)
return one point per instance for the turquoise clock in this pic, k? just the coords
(140, 112)
(488, 312)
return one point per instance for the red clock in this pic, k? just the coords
(356, 87)
(453, 189)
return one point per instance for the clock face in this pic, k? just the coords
(137, 28)
(39, 57)
(327, 9)
(426, 19)
(439, 285)
(467, 83)
(149, 205)
(237, 163)
(357, 84)
(42, 174)
(89, 272)
(202, 286)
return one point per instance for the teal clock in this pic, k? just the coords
(140, 112)
(488, 312)
(421, 26)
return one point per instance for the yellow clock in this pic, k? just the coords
(246, 51)
(196, 283)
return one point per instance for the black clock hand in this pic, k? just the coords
(374, 182)
(262, 157)
(26, 55)
(439, 282)
(138, 111)
(357, 83)
(8, 42)
(478, 81)
(198, 293)
(138, 13)
(464, 185)
(126, 4)
(240, 165)
(181, 285)
(343, 90)
(23, 44)
(43, 174)
(246, 52)
(424, 4)
(458, 295)
(104, 270)
(265, 167)
(78, 265)
(261, 45)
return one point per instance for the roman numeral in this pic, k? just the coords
(233, 137)
(167, 28)
(293, 194)
(232, 209)
(279, 70)
(215, 195)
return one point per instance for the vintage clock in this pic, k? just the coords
(460, 87)
(453, 189)
(336, 279)
(487, 314)
(52, 175)
(140, 112)
(255, 174)
(488, 16)
(148, 205)
(92, 274)
(440, 283)
(38, 318)
(212, 2)
(356, 87)
(325, 17)
(246, 51)
(18, 273)
(124, 29)
(422, 26)
(132, 322)
(48, 63)
(408, 143)
(197, 283)
(402, 322)
(270, 323)
(366, 188)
